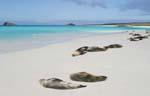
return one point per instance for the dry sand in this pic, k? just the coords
(127, 68)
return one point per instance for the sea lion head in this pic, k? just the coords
(43, 82)
(77, 53)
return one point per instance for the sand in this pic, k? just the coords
(127, 68)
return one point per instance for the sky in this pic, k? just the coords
(76, 11)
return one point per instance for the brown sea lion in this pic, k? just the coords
(77, 53)
(138, 38)
(83, 50)
(130, 33)
(136, 34)
(141, 37)
(147, 32)
(132, 39)
(56, 83)
(80, 51)
(86, 77)
(114, 46)
(95, 49)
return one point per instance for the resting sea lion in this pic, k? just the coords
(77, 53)
(138, 38)
(130, 33)
(56, 83)
(141, 37)
(136, 34)
(132, 39)
(86, 77)
(147, 32)
(114, 46)
(85, 49)
(80, 51)
(95, 49)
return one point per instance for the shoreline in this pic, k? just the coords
(30, 44)
(24, 45)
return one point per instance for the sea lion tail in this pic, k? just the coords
(81, 86)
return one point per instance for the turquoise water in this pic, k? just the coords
(13, 38)
(18, 32)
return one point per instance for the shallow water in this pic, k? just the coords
(14, 38)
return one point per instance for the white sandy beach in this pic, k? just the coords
(127, 68)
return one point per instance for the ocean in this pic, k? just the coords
(15, 38)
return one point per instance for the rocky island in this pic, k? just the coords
(9, 24)
(71, 24)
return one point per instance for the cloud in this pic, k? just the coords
(92, 3)
(142, 5)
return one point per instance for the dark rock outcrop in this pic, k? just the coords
(71, 24)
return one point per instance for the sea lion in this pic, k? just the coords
(138, 38)
(130, 33)
(56, 83)
(86, 77)
(113, 46)
(136, 34)
(83, 50)
(141, 37)
(77, 53)
(80, 51)
(133, 39)
(147, 32)
(95, 49)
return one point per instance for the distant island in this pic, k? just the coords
(127, 24)
(71, 24)
(116, 24)
(9, 24)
